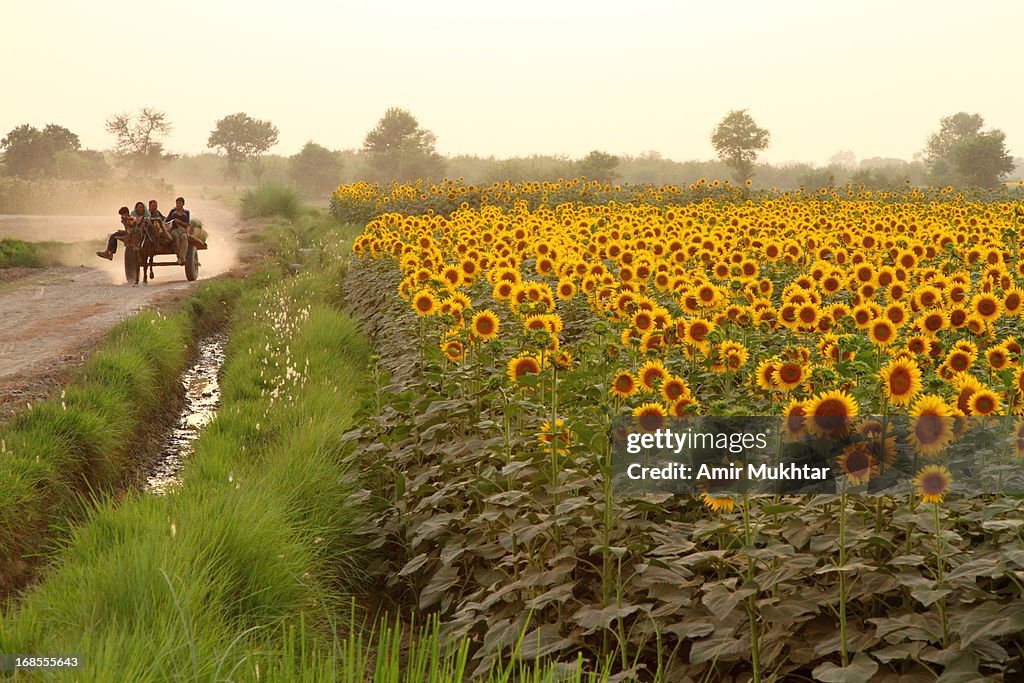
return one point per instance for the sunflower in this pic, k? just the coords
(687, 405)
(932, 483)
(896, 313)
(651, 373)
(453, 350)
(966, 385)
(650, 416)
(788, 375)
(503, 290)
(560, 435)
(931, 425)
(520, 366)
(807, 315)
(765, 374)
(718, 503)
(794, 424)
(986, 306)
(451, 276)
(565, 289)
(960, 360)
(1013, 301)
(486, 325)
(984, 402)
(918, 345)
(1018, 380)
(997, 357)
(1018, 438)
(624, 385)
(882, 332)
(424, 303)
(958, 316)
(697, 331)
(862, 316)
(858, 463)
(674, 388)
(829, 413)
(931, 322)
(901, 381)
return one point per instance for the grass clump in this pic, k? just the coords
(19, 254)
(270, 200)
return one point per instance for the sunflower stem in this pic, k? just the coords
(940, 575)
(755, 641)
(844, 652)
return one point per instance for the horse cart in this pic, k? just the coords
(151, 238)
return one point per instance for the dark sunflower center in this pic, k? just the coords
(900, 382)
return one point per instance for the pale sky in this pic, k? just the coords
(510, 79)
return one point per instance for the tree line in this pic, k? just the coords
(961, 153)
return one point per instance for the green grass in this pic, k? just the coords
(20, 254)
(264, 530)
(270, 200)
(60, 453)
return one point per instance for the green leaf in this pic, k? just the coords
(860, 670)
(927, 596)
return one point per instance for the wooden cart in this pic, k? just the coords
(162, 246)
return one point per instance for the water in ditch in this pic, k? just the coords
(202, 399)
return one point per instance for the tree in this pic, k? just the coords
(29, 151)
(138, 138)
(399, 149)
(599, 166)
(84, 164)
(960, 153)
(315, 169)
(737, 140)
(844, 159)
(243, 139)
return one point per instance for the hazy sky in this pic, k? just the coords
(520, 78)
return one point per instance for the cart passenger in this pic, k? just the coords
(178, 220)
(128, 219)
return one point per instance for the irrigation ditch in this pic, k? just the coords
(200, 389)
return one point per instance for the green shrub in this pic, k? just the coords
(270, 200)
(19, 254)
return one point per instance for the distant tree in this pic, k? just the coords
(599, 166)
(138, 138)
(813, 179)
(398, 148)
(243, 139)
(737, 140)
(845, 159)
(84, 164)
(29, 151)
(315, 169)
(961, 154)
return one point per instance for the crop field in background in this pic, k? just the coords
(514, 322)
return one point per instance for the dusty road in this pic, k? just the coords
(50, 318)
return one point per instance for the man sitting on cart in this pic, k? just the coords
(178, 222)
(128, 219)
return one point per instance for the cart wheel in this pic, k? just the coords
(191, 263)
(131, 265)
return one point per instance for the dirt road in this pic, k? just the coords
(50, 318)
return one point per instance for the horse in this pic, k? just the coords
(142, 242)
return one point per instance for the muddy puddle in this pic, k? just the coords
(202, 399)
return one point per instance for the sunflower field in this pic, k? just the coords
(513, 324)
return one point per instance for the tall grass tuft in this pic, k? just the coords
(270, 200)
(19, 254)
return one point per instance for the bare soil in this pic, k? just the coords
(51, 318)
